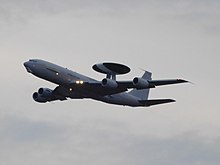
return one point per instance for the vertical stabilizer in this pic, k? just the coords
(142, 93)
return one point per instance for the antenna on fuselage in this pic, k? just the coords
(111, 69)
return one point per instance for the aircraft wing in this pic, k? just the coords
(152, 83)
(166, 82)
(96, 87)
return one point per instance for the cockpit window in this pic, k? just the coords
(33, 60)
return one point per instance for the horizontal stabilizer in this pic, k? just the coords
(155, 102)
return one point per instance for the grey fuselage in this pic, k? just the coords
(65, 77)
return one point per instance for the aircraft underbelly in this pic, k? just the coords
(121, 99)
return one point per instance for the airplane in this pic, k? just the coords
(133, 93)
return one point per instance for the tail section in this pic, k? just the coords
(142, 93)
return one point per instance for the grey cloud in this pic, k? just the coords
(176, 151)
(13, 7)
(28, 8)
(159, 35)
(21, 129)
(201, 13)
(99, 142)
(204, 14)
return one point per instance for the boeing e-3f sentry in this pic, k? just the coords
(77, 86)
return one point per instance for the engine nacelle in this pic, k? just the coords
(45, 92)
(43, 95)
(38, 98)
(140, 83)
(109, 83)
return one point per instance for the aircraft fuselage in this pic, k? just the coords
(77, 86)
(64, 77)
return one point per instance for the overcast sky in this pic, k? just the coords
(172, 39)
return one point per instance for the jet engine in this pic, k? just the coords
(140, 83)
(43, 95)
(109, 83)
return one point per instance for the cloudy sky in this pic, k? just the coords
(172, 39)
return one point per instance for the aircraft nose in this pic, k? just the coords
(28, 67)
(25, 64)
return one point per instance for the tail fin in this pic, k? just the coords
(142, 93)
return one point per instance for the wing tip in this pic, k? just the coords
(182, 80)
(185, 81)
(171, 100)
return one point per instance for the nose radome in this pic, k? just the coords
(28, 67)
(25, 64)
